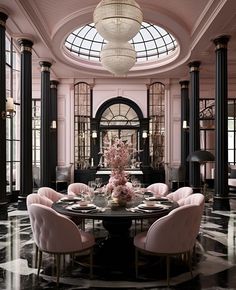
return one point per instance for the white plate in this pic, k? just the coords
(151, 207)
(83, 207)
(70, 198)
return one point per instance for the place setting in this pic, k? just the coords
(85, 207)
(151, 204)
(69, 199)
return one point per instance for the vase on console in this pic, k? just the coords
(117, 157)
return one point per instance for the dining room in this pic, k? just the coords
(117, 144)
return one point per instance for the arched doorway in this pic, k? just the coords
(120, 118)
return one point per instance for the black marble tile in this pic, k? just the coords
(214, 264)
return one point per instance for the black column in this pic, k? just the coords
(45, 176)
(184, 131)
(221, 200)
(26, 175)
(194, 128)
(53, 129)
(3, 202)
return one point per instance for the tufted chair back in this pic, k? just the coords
(180, 194)
(195, 199)
(50, 193)
(172, 234)
(56, 234)
(36, 198)
(78, 188)
(50, 228)
(176, 232)
(158, 189)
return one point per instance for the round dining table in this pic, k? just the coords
(116, 250)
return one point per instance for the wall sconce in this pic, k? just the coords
(53, 125)
(9, 112)
(185, 125)
(144, 134)
(94, 134)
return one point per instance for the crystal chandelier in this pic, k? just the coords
(118, 21)
(118, 58)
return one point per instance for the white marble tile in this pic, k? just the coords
(18, 213)
(18, 266)
(211, 225)
(216, 254)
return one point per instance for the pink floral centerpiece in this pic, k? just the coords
(117, 157)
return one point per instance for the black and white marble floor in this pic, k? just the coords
(214, 268)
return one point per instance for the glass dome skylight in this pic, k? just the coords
(151, 42)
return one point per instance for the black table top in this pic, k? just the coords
(108, 214)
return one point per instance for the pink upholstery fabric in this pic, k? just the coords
(158, 189)
(36, 198)
(180, 194)
(50, 193)
(77, 188)
(172, 234)
(195, 199)
(55, 233)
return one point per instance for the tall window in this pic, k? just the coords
(157, 124)
(82, 115)
(36, 124)
(13, 125)
(207, 128)
(232, 131)
(207, 125)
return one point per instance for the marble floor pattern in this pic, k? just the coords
(214, 265)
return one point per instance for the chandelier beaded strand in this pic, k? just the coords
(118, 21)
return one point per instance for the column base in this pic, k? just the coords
(3, 210)
(22, 203)
(221, 203)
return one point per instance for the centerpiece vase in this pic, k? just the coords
(117, 157)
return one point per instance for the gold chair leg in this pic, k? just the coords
(36, 255)
(40, 262)
(91, 263)
(190, 263)
(58, 258)
(168, 270)
(136, 262)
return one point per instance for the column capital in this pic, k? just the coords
(45, 66)
(91, 86)
(54, 84)
(25, 44)
(194, 65)
(221, 41)
(3, 18)
(184, 84)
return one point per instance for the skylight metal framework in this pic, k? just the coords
(151, 42)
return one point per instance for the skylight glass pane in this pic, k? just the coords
(150, 43)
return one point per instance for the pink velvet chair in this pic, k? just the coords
(173, 234)
(50, 193)
(54, 196)
(180, 194)
(36, 198)
(195, 199)
(158, 189)
(78, 188)
(54, 233)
